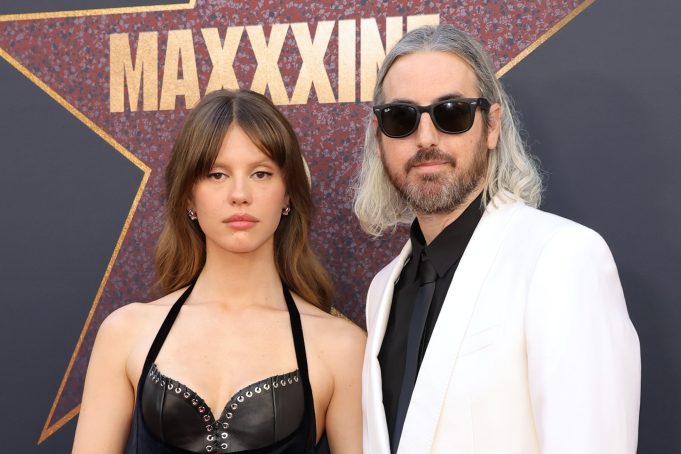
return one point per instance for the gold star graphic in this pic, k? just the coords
(67, 55)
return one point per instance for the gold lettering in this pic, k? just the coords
(312, 72)
(414, 22)
(143, 72)
(267, 74)
(372, 52)
(138, 75)
(222, 57)
(180, 48)
(347, 49)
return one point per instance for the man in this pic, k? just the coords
(499, 328)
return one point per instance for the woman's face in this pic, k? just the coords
(239, 203)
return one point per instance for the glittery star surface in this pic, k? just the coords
(68, 56)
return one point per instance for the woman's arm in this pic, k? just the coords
(344, 413)
(109, 397)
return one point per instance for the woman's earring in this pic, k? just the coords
(286, 211)
(192, 214)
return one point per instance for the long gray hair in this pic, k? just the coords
(511, 172)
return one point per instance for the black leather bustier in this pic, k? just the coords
(256, 416)
(272, 416)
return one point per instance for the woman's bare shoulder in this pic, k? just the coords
(335, 333)
(127, 321)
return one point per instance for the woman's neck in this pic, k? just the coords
(238, 280)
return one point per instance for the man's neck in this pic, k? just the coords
(433, 224)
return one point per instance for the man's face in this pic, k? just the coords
(434, 171)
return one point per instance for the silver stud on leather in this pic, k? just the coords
(223, 445)
(209, 448)
(258, 390)
(224, 435)
(178, 390)
(234, 406)
(210, 438)
(249, 393)
(290, 380)
(170, 386)
(295, 378)
(283, 382)
(240, 399)
(202, 409)
(266, 386)
(195, 402)
(225, 425)
(229, 415)
(275, 384)
(186, 394)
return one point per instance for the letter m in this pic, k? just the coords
(124, 72)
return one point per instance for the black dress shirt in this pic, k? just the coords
(444, 252)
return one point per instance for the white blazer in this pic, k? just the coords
(533, 350)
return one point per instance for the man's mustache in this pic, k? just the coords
(429, 154)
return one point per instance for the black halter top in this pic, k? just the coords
(271, 398)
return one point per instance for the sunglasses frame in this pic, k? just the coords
(473, 104)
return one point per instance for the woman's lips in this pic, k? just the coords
(241, 221)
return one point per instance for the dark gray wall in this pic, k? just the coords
(51, 212)
(58, 227)
(31, 6)
(600, 102)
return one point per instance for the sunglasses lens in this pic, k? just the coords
(454, 116)
(398, 120)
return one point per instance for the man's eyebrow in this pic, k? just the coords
(453, 95)
(402, 101)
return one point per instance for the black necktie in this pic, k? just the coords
(427, 278)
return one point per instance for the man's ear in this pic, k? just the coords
(493, 126)
(377, 131)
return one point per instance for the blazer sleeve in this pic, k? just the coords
(584, 366)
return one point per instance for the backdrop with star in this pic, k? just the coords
(82, 155)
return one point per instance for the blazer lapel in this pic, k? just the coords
(378, 312)
(440, 356)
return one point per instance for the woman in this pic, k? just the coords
(219, 364)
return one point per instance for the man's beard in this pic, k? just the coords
(442, 192)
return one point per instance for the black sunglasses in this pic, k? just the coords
(451, 116)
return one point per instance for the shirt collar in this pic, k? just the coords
(448, 247)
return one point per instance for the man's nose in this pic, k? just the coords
(427, 135)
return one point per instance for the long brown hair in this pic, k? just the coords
(181, 249)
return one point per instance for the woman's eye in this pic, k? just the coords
(216, 175)
(261, 175)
